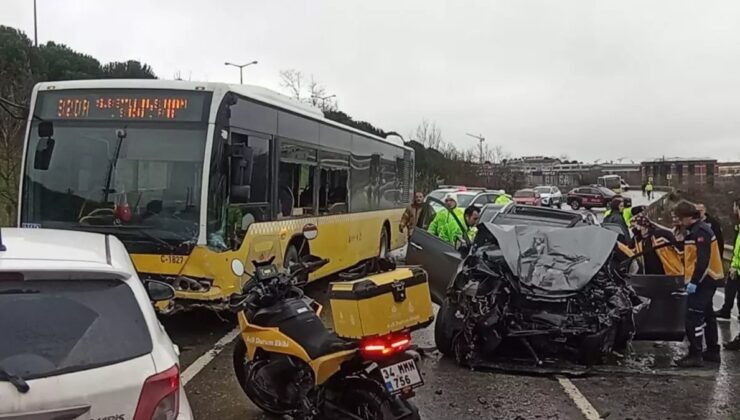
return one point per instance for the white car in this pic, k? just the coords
(79, 338)
(551, 195)
(465, 197)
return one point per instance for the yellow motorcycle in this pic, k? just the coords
(289, 363)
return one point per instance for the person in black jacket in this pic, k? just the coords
(615, 216)
(713, 223)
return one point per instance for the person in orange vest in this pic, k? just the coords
(702, 271)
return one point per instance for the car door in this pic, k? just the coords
(437, 257)
(664, 320)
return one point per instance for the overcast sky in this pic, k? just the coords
(588, 79)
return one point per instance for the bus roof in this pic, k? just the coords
(257, 93)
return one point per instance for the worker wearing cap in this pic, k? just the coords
(702, 272)
(444, 224)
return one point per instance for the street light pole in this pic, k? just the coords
(35, 30)
(241, 69)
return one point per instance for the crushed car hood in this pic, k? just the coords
(553, 261)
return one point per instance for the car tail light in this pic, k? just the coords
(160, 396)
(384, 346)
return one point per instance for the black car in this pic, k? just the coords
(589, 197)
(667, 294)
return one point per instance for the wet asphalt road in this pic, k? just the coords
(616, 391)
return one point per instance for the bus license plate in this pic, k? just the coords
(400, 376)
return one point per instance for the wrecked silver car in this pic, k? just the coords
(536, 292)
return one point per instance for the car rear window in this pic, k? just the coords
(50, 327)
(523, 193)
(543, 190)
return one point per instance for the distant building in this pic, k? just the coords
(728, 169)
(529, 164)
(680, 171)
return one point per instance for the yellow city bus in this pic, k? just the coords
(200, 179)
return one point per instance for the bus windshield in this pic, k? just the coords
(140, 180)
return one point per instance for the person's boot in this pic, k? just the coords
(734, 344)
(723, 314)
(712, 355)
(690, 361)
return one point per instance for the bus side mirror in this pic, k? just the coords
(241, 157)
(44, 150)
(46, 129)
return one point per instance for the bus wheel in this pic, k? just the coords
(384, 246)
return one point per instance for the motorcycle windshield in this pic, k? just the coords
(553, 261)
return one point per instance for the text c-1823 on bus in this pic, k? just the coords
(193, 176)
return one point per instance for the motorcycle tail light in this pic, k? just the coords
(384, 346)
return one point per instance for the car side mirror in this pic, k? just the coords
(159, 291)
(42, 156)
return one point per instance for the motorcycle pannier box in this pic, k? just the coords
(382, 303)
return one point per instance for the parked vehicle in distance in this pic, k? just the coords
(551, 195)
(465, 196)
(528, 196)
(589, 197)
(80, 338)
(613, 182)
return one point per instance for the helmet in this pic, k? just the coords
(450, 197)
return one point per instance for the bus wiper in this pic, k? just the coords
(121, 134)
(19, 383)
(155, 238)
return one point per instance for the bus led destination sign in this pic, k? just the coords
(103, 105)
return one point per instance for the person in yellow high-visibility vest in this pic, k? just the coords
(503, 198)
(649, 190)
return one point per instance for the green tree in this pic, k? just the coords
(21, 66)
(130, 69)
(17, 59)
(59, 62)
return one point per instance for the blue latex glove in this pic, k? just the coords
(691, 288)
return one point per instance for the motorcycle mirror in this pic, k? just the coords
(159, 291)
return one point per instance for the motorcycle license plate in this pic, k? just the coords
(400, 376)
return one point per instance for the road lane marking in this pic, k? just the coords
(208, 356)
(588, 410)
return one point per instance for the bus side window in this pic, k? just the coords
(295, 190)
(333, 191)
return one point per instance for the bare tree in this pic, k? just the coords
(309, 91)
(495, 154)
(292, 81)
(429, 135)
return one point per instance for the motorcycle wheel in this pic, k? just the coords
(245, 374)
(366, 404)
